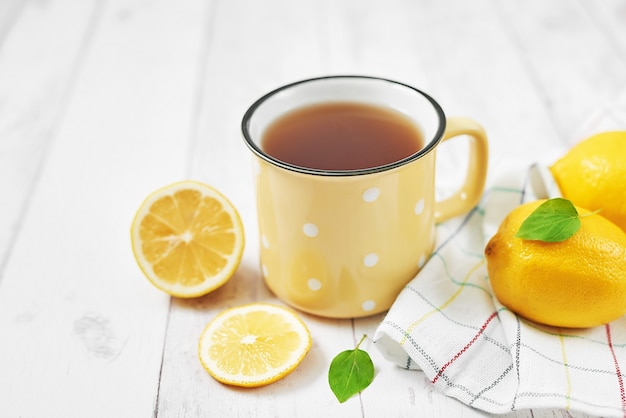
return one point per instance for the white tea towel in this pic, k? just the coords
(446, 323)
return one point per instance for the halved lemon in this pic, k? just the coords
(187, 239)
(253, 345)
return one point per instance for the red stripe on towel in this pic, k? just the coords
(460, 353)
(620, 380)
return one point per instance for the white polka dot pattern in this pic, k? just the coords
(371, 194)
(310, 230)
(368, 305)
(370, 260)
(314, 284)
(419, 207)
(421, 261)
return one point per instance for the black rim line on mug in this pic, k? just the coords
(341, 173)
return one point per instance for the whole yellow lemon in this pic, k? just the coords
(593, 175)
(577, 283)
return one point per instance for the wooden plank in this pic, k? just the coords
(10, 13)
(565, 51)
(608, 16)
(245, 58)
(40, 56)
(82, 330)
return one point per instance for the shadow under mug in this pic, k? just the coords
(343, 243)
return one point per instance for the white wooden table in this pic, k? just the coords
(102, 101)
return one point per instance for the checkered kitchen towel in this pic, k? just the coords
(446, 323)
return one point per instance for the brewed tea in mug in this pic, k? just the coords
(342, 136)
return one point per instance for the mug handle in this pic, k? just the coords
(470, 193)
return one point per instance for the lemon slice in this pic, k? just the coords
(253, 345)
(187, 239)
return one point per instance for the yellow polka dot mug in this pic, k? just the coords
(343, 242)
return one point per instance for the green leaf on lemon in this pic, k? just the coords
(350, 372)
(555, 220)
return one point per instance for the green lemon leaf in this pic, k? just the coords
(555, 220)
(350, 372)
